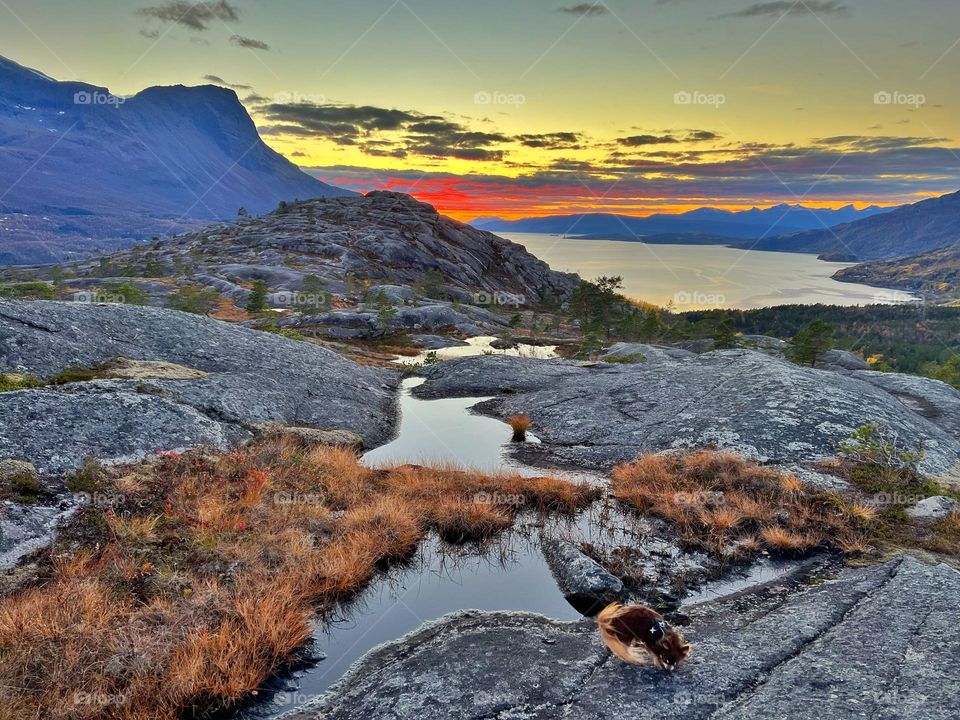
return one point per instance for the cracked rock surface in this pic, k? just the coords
(228, 380)
(246, 378)
(877, 642)
(742, 400)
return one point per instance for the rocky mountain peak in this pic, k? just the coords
(153, 164)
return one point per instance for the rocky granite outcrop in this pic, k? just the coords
(842, 361)
(743, 400)
(202, 382)
(182, 381)
(933, 399)
(347, 268)
(933, 508)
(582, 580)
(388, 241)
(877, 642)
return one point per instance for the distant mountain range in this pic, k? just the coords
(84, 170)
(908, 230)
(710, 225)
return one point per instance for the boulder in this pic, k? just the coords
(436, 342)
(17, 472)
(395, 294)
(26, 528)
(437, 317)
(933, 508)
(843, 360)
(277, 278)
(765, 342)
(583, 581)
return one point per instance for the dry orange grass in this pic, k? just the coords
(860, 512)
(205, 580)
(228, 312)
(519, 423)
(720, 502)
(782, 539)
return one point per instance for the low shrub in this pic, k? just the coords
(628, 359)
(78, 374)
(519, 423)
(193, 299)
(28, 291)
(22, 487)
(10, 382)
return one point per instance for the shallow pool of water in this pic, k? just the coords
(483, 345)
(509, 575)
(761, 571)
(446, 432)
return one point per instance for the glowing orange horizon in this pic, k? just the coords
(465, 199)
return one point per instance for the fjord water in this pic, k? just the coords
(694, 277)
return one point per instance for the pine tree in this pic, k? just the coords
(257, 301)
(811, 342)
(725, 335)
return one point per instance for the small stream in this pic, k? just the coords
(509, 574)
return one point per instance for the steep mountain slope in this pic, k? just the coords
(81, 169)
(937, 271)
(909, 230)
(723, 224)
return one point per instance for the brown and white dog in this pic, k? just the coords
(639, 635)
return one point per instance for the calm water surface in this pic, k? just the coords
(695, 277)
(510, 574)
(482, 345)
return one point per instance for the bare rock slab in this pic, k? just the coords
(742, 400)
(184, 380)
(876, 643)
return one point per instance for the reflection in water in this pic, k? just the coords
(507, 575)
(445, 432)
(510, 574)
(695, 277)
(482, 345)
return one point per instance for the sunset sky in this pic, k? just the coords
(537, 107)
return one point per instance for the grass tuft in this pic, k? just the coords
(731, 507)
(520, 423)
